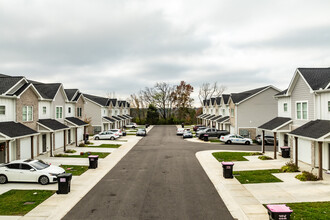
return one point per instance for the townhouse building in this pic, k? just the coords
(303, 121)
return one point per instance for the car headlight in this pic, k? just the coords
(53, 174)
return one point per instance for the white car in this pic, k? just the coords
(29, 171)
(235, 139)
(180, 131)
(131, 125)
(106, 135)
(117, 131)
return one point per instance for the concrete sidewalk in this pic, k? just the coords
(57, 206)
(245, 201)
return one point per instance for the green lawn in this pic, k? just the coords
(105, 146)
(74, 169)
(214, 140)
(257, 176)
(20, 202)
(231, 156)
(310, 210)
(101, 155)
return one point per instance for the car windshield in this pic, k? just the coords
(40, 165)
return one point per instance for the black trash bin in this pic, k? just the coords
(227, 169)
(124, 133)
(64, 183)
(147, 125)
(277, 212)
(93, 161)
(206, 137)
(285, 152)
(86, 138)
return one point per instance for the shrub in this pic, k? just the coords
(88, 142)
(306, 176)
(290, 167)
(70, 151)
(256, 153)
(81, 145)
(264, 158)
(59, 155)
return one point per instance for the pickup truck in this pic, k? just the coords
(212, 132)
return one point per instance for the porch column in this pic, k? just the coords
(76, 134)
(275, 156)
(32, 153)
(296, 150)
(64, 147)
(52, 143)
(7, 150)
(320, 161)
(263, 142)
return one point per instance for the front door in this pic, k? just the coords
(44, 143)
(2, 152)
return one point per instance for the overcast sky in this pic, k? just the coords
(122, 46)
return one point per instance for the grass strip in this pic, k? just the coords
(76, 170)
(310, 210)
(215, 140)
(20, 202)
(257, 176)
(105, 146)
(230, 156)
(101, 155)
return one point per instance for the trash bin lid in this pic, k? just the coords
(93, 156)
(227, 163)
(285, 147)
(279, 208)
(64, 175)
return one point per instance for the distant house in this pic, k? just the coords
(303, 120)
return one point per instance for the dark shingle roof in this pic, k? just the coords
(212, 101)
(70, 93)
(99, 100)
(76, 121)
(199, 116)
(209, 116)
(122, 117)
(204, 102)
(317, 78)
(225, 98)
(113, 101)
(109, 119)
(205, 116)
(238, 97)
(116, 118)
(282, 92)
(313, 129)
(6, 82)
(218, 100)
(216, 117)
(129, 116)
(47, 91)
(223, 119)
(275, 123)
(77, 97)
(52, 124)
(20, 90)
(14, 129)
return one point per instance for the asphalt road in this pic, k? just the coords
(160, 178)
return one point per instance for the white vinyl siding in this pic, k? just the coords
(59, 112)
(281, 107)
(27, 113)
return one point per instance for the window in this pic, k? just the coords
(328, 106)
(25, 166)
(223, 112)
(232, 112)
(2, 110)
(285, 107)
(27, 113)
(301, 110)
(59, 112)
(44, 110)
(69, 110)
(13, 166)
(79, 112)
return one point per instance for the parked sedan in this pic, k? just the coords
(141, 132)
(131, 125)
(268, 139)
(29, 171)
(187, 134)
(180, 131)
(197, 126)
(106, 135)
(235, 139)
(117, 131)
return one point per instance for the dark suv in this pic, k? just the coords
(212, 132)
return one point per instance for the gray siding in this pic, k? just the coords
(58, 101)
(301, 92)
(257, 110)
(93, 111)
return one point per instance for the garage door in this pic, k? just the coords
(59, 139)
(304, 151)
(25, 147)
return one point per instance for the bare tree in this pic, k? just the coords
(208, 90)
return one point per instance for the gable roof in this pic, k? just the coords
(76, 121)
(52, 124)
(7, 82)
(109, 119)
(238, 97)
(317, 78)
(223, 119)
(15, 130)
(313, 129)
(282, 93)
(97, 99)
(70, 93)
(218, 100)
(76, 98)
(212, 101)
(225, 98)
(47, 91)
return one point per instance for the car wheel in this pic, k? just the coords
(228, 142)
(133, 127)
(97, 138)
(3, 179)
(247, 142)
(43, 180)
(112, 138)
